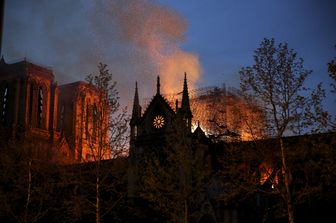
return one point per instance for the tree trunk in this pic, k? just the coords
(290, 208)
(28, 192)
(185, 211)
(97, 200)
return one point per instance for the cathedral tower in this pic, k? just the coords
(28, 99)
(158, 128)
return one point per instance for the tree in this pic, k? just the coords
(175, 177)
(104, 143)
(27, 186)
(332, 74)
(108, 129)
(277, 80)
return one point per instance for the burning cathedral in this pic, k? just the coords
(175, 170)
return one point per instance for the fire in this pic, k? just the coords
(267, 174)
(223, 113)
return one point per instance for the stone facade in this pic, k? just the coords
(54, 119)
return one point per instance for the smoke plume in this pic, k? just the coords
(137, 39)
(155, 34)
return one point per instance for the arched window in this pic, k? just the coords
(31, 97)
(94, 123)
(87, 121)
(40, 107)
(62, 118)
(4, 104)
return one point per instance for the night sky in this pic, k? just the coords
(139, 39)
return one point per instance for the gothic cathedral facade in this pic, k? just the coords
(52, 122)
(162, 138)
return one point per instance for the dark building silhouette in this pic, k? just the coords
(161, 129)
(158, 131)
(52, 122)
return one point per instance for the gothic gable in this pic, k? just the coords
(157, 116)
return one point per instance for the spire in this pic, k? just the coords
(158, 85)
(136, 105)
(185, 95)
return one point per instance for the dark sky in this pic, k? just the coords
(139, 39)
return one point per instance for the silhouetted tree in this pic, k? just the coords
(175, 177)
(94, 182)
(109, 129)
(27, 188)
(276, 81)
(332, 74)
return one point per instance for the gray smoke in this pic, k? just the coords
(137, 39)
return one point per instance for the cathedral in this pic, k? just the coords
(55, 122)
(172, 174)
(190, 178)
(164, 148)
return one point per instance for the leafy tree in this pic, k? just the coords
(277, 80)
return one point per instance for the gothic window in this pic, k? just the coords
(87, 122)
(94, 124)
(31, 97)
(40, 107)
(62, 117)
(4, 104)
